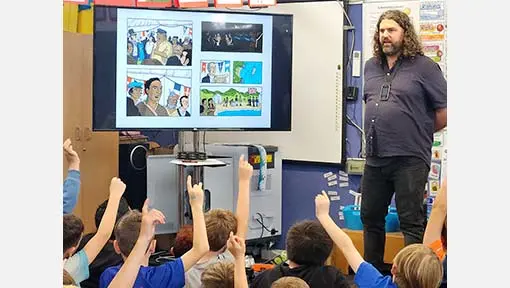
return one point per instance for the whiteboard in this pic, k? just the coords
(316, 87)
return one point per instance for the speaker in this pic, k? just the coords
(133, 172)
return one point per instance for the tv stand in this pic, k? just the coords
(197, 172)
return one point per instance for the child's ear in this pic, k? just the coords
(393, 269)
(152, 246)
(116, 247)
(172, 251)
(69, 252)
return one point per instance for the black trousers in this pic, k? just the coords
(406, 177)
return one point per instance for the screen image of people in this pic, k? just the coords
(158, 94)
(159, 42)
(165, 87)
(232, 37)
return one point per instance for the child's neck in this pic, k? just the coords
(208, 256)
(145, 262)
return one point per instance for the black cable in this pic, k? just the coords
(262, 224)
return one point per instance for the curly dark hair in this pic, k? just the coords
(411, 45)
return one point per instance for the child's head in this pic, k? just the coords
(183, 241)
(123, 209)
(417, 266)
(308, 243)
(219, 223)
(73, 230)
(218, 275)
(127, 231)
(290, 282)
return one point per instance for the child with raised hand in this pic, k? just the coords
(414, 266)
(128, 273)
(72, 181)
(435, 233)
(220, 222)
(170, 274)
(77, 265)
(228, 275)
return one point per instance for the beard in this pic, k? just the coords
(391, 49)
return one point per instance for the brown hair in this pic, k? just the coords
(67, 278)
(308, 243)
(218, 275)
(219, 223)
(127, 231)
(411, 45)
(183, 240)
(72, 230)
(417, 266)
(290, 282)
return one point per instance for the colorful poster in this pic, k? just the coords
(373, 10)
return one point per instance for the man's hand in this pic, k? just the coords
(150, 218)
(322, 205)
(195, 192)
(117, 188)
(72, 158)
(245, 169)
(236, 246)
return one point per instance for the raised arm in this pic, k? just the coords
(437, 217)
(104, 231)
(72, 181)
(200, 242)
(127, 274)
(338, 236)
(237, 247)
(243, 197)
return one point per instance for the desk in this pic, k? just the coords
(394, 243)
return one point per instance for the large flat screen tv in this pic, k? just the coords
(191, 69)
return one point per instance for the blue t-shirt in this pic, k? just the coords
(170, 274)
(369, 277)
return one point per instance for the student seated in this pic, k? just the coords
(414, 266)
(228, 275)
(72, 182)
(289, 282)
(77, 264)
(183, 241)
(435, 233)
(219, 223)
(107, 257)
(169, 274)
(308, 247)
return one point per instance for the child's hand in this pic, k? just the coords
(71, 155)
(322, 205)
(236, 246)
(195, 192)
(117, 188)
(245, 169)
(150, 218)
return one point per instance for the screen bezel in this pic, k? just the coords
(114, 129)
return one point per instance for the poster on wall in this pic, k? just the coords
(433, 31)
(373, 10)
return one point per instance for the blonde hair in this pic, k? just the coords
(219, 223)
(290, 282)
(417, 266)
(67, 279)
(218, 275)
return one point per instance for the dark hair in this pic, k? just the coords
(411, 45)
(218, 224)
(72, 228)
(123, 209)
(180, 99)
(149, 82)
(308, 243)
(127, 231)
(183, 241)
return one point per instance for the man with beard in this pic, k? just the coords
(405, 97)
(151, 106)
